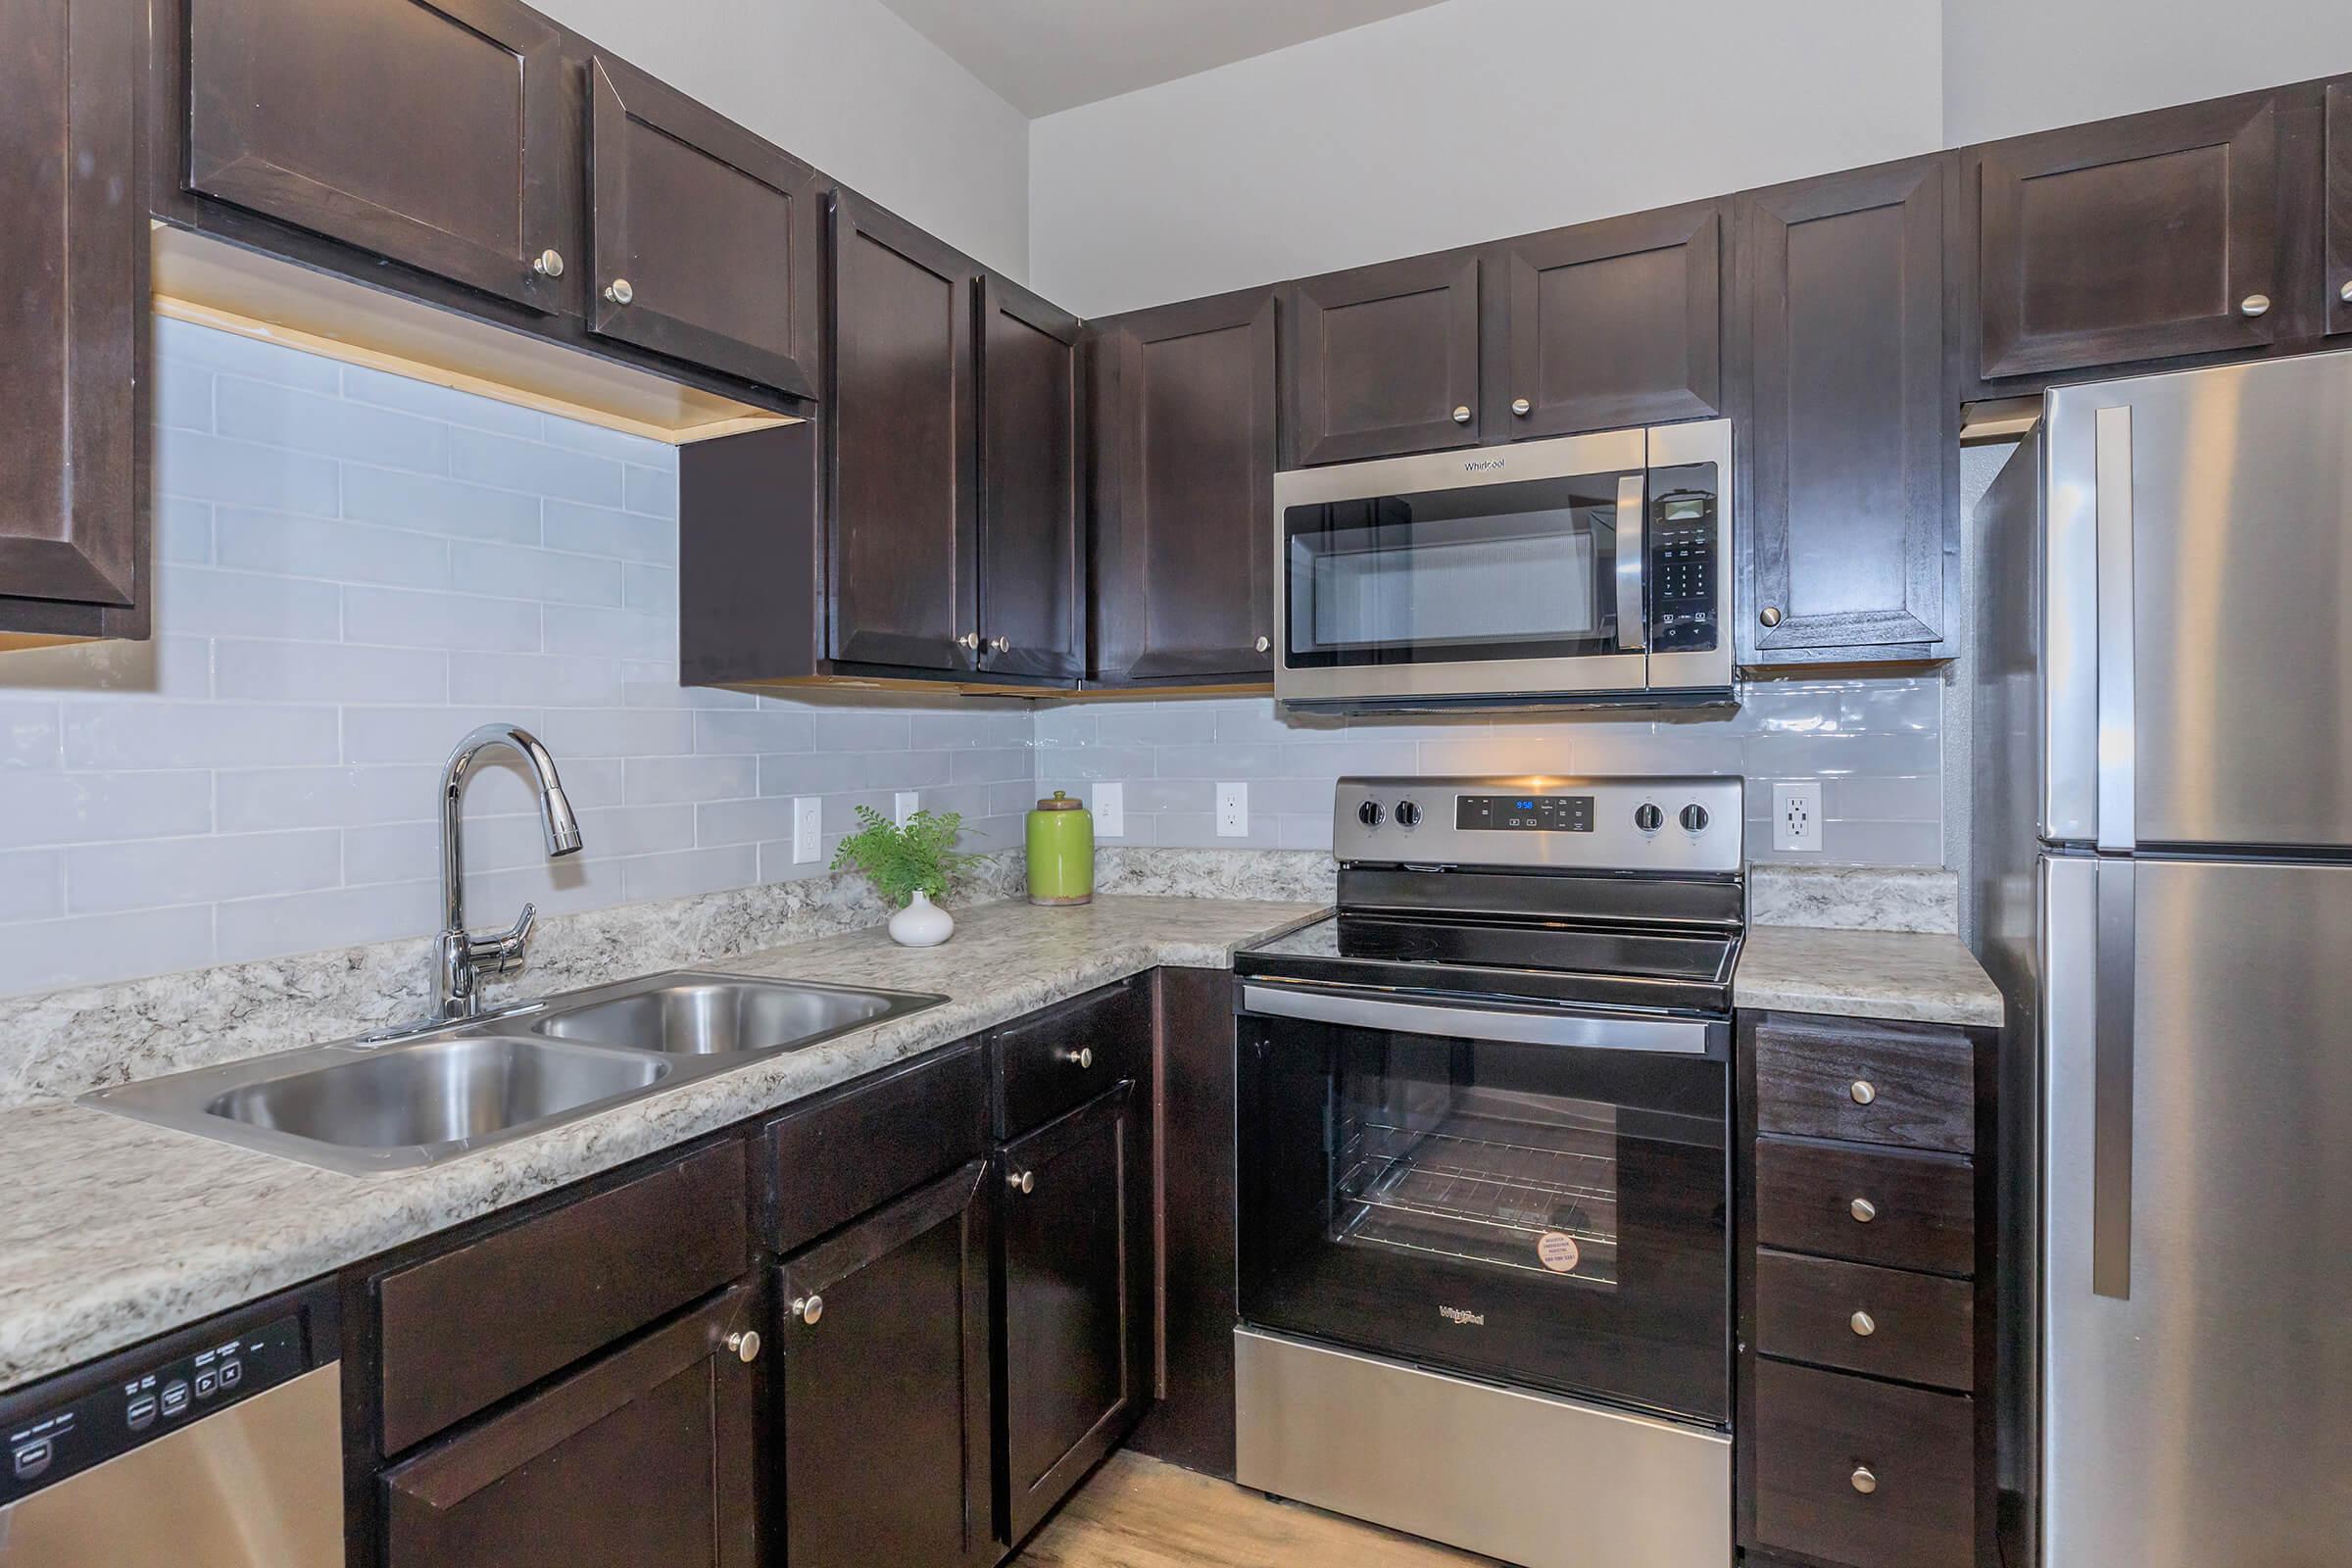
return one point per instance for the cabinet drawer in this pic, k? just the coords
(1913, 1084)
(1916, 1327)
(1062, 1058)
(823, 1164)
(469, 1327)
(1821, 1438)
(1810, 1198)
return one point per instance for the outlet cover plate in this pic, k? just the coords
(1796, 818)
(908, 804)
(1111, 810)
(808, 829)
(1233, 810)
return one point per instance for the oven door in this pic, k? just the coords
(1528, 1195)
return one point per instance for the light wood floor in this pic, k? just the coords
(1140, 1513)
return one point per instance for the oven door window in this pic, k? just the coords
(1503, 571)
(1542, 1214)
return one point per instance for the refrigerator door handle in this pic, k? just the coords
(2117, 749)
(2113, 1032)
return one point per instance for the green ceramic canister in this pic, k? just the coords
(1061, 852)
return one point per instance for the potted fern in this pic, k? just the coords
(909, 865)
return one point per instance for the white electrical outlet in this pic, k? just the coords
(808, 829)
(908, 804)
(1796, 818)
(1233, 810)
(1111, 810)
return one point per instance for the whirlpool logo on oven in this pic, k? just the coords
(1484, 464)
(1461, 1319)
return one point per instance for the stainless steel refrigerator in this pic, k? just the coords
(2163, 883)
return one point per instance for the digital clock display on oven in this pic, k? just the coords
(1537, 813)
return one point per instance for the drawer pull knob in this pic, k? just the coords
(808, 1308)
(1863, 1210)
(619, 291)
(1461, 414)
(1025, 1183)
(1520, 407)
(1863, 1091)
(745, 1343)
(1864, 1324)
(1083, 1057)
(1864, 1481)
(549, 263)
(2255, 305)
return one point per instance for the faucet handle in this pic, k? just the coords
(503, 953)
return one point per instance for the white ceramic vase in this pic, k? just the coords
(922, 923)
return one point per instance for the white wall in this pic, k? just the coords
(848, 86)
(1466, 121)
(2015, 66)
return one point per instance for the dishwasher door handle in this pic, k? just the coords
(1686, 1036)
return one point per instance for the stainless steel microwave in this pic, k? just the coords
(1586, 569)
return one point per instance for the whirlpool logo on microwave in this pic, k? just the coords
(1461, 1319)
(1484, 464)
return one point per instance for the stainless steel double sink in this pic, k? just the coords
(424, 1096)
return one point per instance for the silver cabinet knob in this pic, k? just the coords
(1769, 614)
(1461, 414)
(999, 644)
(1863, 1210)
(808, 1308)
(745, 1344)
(1864, 1481)
(2254, 304)
(1863, 1324)
(1264, 643)
(1862, 1091)
(620, 292)
(1083, 1057)
(969, 642)
(2345, 293)
(1521, 407)
(550, 263)
(1023, 1181)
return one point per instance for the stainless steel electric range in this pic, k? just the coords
(1483, 1128)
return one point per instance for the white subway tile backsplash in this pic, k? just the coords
(511, 572)
(32, 886)
(206, 468)
(653, 491)
(45, 955)
(100, 878)
(197, 601)
(481, 457)
(393, 736)
(304, 922)
(251, 800)
(385, 390)
(29, 735)
(328, 673)
(182, 344)
(163, 734)
(331, 548)
(80, 808)
(650, 779)
(674, 876)
(757, 732)
(603, 531)
(328, 427)
(410, 617)
(432, 504)
(618, 633)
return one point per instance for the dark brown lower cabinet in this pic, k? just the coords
(883, 1416)
(1076, 1294)
(642, 1458)
(2338, 204)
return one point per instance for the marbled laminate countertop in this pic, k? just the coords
(1923, 976)
(113, 1230)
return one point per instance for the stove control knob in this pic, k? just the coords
(1408, 814)
(1648, 818)
(1369, 813)
(1695, 817)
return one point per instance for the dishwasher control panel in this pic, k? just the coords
(144, 1402)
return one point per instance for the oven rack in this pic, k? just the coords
(1452, 1189)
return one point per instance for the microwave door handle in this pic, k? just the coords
(1632, 557)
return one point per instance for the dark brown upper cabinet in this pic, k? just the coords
(1077, 1294)
(1032, 497)
(643, 1457)
(2339, 293)
(903, 524)
(708, 243)
(1182, 542)
(432, 133)
(74, 492)
(2150, 237)
(1610, 324)
(885, 1402)
(1380, 360)
(1851, 453)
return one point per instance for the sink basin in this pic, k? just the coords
(439, 1092)
(711, 1015)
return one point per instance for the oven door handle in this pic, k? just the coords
(1633, 559)
(1683, 1037)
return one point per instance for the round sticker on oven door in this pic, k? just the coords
(1556, 1252)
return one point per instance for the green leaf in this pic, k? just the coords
(898, 861)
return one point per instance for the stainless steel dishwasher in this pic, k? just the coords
(215, 1446)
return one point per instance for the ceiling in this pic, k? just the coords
(1046, 55)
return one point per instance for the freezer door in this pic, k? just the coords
(2197, 1338)
(2197, 548)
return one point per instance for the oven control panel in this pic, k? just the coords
(1682, 824)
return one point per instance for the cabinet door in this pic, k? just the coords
(73, 517)
(2339, 207)
(1608, 325)
(1380, 360)
(884, 1412)
(903, 481)
(643, 1458)
(706, 241)
(1183, 539)
(1077, 1295)
(2142, 238)
(1853, 492)
(1031, 567)
(429, 131)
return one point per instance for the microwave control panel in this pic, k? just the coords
(1683, 591)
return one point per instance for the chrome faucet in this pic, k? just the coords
(462, 961)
